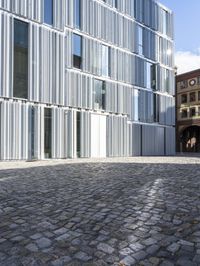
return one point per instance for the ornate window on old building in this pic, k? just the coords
(192, 111)
(192, 97)
(183, 84)
(184, 98)
(184, 113)
(198, 95)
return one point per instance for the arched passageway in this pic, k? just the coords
(190, 139)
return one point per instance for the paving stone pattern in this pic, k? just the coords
(135, 211)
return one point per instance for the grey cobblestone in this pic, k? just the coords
(43, 242)
(133, 211)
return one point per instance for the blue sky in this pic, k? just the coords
(187, 32)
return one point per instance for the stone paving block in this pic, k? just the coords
(136, 246)
(128, 261)
(185, 243)
(61, 261)
(185, 261)
(105, 248)
(140, 255)
(125, 251)
(197, 259)
(63, 237)
(43, 242)
(150, 241)
(167, 263)
(32, 247)
(36, 236)
(152, 249)
(17, 238)
(173, 247)
(82, 256)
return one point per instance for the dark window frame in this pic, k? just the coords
(192, 111)
(192, 96)
(184, 98)
(184, 113)
(48, 132)
(77, 57)
(21, 59)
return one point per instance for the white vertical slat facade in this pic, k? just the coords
(137, 112)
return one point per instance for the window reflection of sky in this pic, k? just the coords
(48, 12)
(77, 45)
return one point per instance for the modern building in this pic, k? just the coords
(86, 78)
(188, 111)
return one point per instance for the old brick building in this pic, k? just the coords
(188, 111)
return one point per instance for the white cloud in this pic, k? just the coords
(187, 61)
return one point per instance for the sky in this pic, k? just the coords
(187, 33)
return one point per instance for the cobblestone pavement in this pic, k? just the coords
(139, 211)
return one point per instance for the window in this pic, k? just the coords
(151, 76)
(192, 97)
(77, 51)
(99, 94)
(198, 95)
(32, 135)
(78, 134)
(115, 3)
(77, 13)
(20, 87)
(47, 132)
(167, 80)
(140, 40)
(192, 112)
(160, 49)
(184, 113)
(105, 61)
(184, 98)
(183, 84)
(156, 108)
(164, 15)
(48, 12)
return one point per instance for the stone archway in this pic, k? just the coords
(190, 138)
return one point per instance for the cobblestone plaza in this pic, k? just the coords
(136, 211)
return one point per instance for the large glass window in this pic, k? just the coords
(151, 76)
(99, 94)
(105, 61)
(78, 133)
(47, 132)
(140, 41)
(77, 13)
(165, 15)
(156, 107)
(166, 77)
(77, 51)
(20, 87)
(32, 132)
(48, 12)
